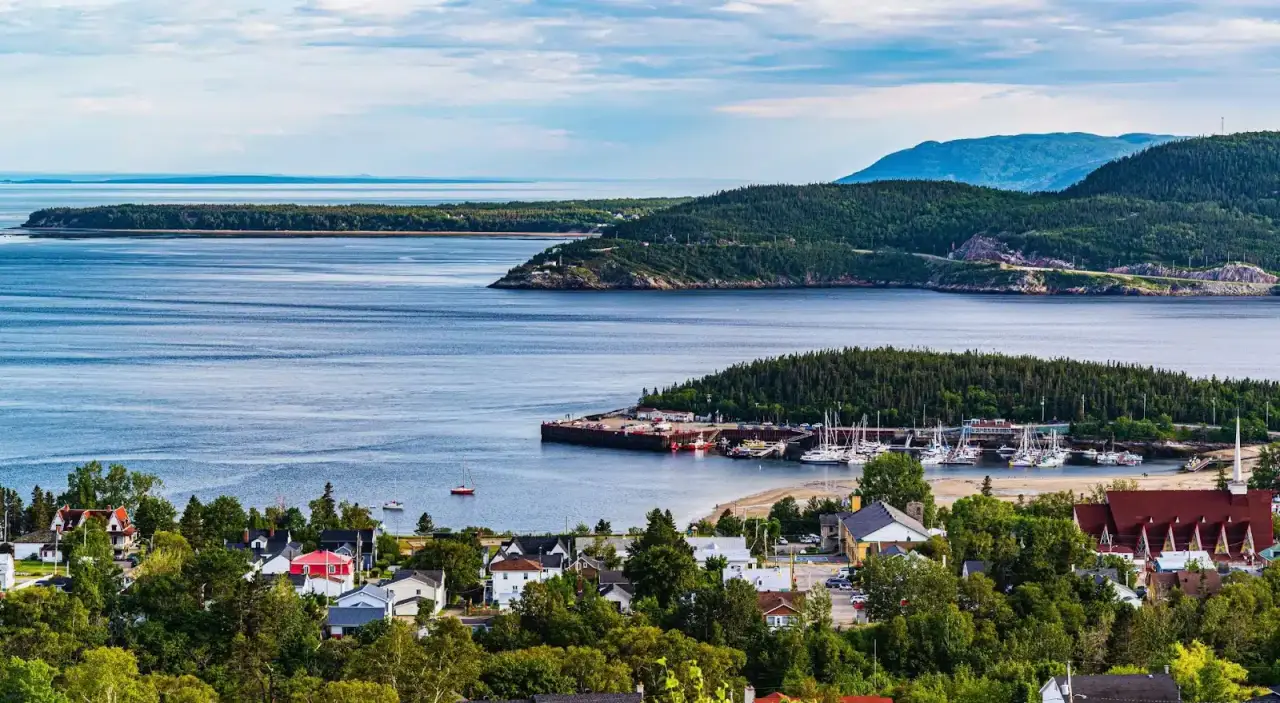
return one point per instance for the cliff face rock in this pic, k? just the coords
(1229, 273)
(983, 248)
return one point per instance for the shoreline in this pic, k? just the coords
(73, 233)
(948, 490)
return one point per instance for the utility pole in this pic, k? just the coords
(1042, 410)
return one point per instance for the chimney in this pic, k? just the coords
(640, 689)
(271, 531)
(246, 535)
(855, 503)
(749, 694)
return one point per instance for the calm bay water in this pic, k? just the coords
(263, 368)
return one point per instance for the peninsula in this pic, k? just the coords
(1192, 217)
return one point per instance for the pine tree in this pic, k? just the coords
(324, 510)
(192, 523)
(986, 486)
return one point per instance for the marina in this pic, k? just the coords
(1038, 446)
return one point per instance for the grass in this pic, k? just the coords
(33, 568)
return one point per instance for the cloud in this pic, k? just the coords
(603, 87)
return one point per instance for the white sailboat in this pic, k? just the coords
(1028, 452)
(827, 452)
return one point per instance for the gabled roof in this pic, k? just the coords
(972, 567)
(37, 537)
(322, 558)
(353, 617)
(369, 590)
(606, 589)
(607, 576)
(1196, 584)
(430, 578)
(877, 516)
(1156, 521)
(516, 564)
(536, 545)
(778, 602)
(1128, 688)
(832, 519)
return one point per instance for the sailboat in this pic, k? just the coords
(464, 489)
(827, 451)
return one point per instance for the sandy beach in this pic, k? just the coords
(948, 490)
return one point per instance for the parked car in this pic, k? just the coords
(839, 584)
(846, 572)
(858, 599)
(812, 539)
(783, 541)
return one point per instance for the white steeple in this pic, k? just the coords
(1238, 487)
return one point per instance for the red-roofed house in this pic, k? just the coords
(322, 572)
(508, 577)
(1232, 525)
(119, 528)
(781, 608)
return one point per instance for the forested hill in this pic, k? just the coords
(1195, 204)
(1027, 162)
(552, 216)
(924, 387)
(1240, 169)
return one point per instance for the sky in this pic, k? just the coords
(760, 90)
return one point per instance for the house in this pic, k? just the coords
(1181, 561)
(410, 589)
(732, 549)
(1108, 577)
(781, 608)
(765, 579)
(58, 583)
(829, 531)
(119, 528)
(783, 698)
(1271, 696)
(8, 573)
(533, 546)
(270, 552)
(322, 572)
(588, 566)
(616, 588)
(1127, 688)
(350, 543)
(877, 527)
(32, 546)
(1232, 525)
(343, 621)
(366, 596)
(1196, 584)
(508, 577)
(969, 568)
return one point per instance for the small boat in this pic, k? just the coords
(464, 489)
(393, 505)
(1005, 451)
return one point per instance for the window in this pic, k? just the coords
(526, 576)
(504, 577)
(332, 568)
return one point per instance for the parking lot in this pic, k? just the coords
(814, 576)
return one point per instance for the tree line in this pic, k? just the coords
(920, 388)
(552, 216)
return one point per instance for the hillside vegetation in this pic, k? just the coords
(1192, 204)
(924, 387)
(1026, 162)
(553, 216)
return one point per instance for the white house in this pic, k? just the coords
(1180, 561)
(532, 547)
(119, 528)
(342, 621)
(7, 574)
(366, 596)
(733, 549)
(409, 589)
(655, 415)
(508, 577)
(32, 546)
(776, 579)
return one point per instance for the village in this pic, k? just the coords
(1148, 547)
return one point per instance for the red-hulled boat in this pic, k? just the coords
(464, 489)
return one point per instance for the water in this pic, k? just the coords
(262, 368)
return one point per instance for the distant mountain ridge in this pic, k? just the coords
(1024, 162)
